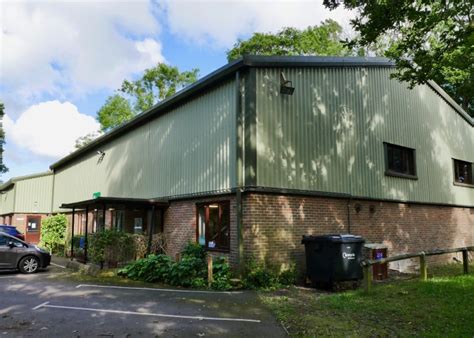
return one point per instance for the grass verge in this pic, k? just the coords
(441, 306)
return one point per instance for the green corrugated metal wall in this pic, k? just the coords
(189, 150)
(329, 135)
(7, 201)
(34, 195)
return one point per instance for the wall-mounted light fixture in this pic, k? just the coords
(358, 207)
(372, 208)
(286, 86)
(101, 155)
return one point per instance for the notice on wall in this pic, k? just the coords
(137, 225)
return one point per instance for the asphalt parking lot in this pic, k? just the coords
(41, 306)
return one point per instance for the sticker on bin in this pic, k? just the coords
(348, 255)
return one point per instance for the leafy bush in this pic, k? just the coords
(154, 268)
(111, 246)
(190, 271)
(184, 272)
(289, 276)
(221, 274)
(53, 233)
(194, 250)
(259, 276)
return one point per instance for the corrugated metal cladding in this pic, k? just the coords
(188, 150)
(328, 136)
(7, 201)
(34, 195)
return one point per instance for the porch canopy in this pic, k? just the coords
(101, 204)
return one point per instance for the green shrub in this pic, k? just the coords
(190, 271)
(110, 246)
(221, 274)
(53, 233)
(194, 250)
(184, 272)
(289, 276)
(259, 276)
(154, 268)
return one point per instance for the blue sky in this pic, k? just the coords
(59, 61)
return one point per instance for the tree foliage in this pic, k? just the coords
(324, 40)
(157, 84)
(135, 97)
(428, 39)
(3, 168)
(86, 139)
(53, 233)
(114, 112)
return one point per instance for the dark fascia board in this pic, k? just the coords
(115, 200)
(227, 72)
(13, 180)
(440, 91)
(315, 61)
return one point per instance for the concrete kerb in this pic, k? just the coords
(64, 262)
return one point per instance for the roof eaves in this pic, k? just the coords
(451, 102)
(155, 111)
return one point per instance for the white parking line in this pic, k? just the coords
(155, 289)
(59, 266)
(40, 306)
(47, 305)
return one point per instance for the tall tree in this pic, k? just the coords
(429, 40)
(114, 112)
(324, 40)
(3, 168)
(157, 84)
(137, 96)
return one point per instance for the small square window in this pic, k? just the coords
(400, 161)
(463, 172)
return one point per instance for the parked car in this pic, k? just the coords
(17, 254)
(11, 230)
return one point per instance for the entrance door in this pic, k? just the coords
(33, 227)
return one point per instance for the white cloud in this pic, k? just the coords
(68, 48)
(221, 22)
(49, 129)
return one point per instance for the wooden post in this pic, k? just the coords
(423, 268)
(465, 262)
(367, 278)
(177, 257)
(210, 277)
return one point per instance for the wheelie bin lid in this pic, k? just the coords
(333, 238)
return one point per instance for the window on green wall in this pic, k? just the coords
(400, 161)
(463, 172)
(213, 228)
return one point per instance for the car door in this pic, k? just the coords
(7, 254)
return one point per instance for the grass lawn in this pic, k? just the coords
(443, 306)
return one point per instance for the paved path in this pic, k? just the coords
(41, 306)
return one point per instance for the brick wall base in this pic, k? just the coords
(274, 226)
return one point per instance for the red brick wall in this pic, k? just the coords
(275, 224)
(19, 221)
(180, 225)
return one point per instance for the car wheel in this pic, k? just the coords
(29, 264)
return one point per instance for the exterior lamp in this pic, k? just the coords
(286, 86)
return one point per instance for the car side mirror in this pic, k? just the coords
(11, 244)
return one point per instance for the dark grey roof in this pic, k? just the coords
(13, 180)
(228, 71)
